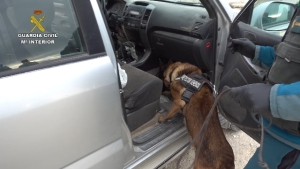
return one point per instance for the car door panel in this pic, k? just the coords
(257, 36)
(57, 115)
(238, 71)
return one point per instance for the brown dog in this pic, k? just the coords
(215, 153)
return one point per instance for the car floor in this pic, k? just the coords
(164, 106)
(151, 133)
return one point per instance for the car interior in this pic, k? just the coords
(147, 35)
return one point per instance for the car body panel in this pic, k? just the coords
(67, 111)
(104, 32)
(61, 116)
(105, 156)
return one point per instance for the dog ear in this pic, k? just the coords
(161, 64)
(164, 66)
(169, 62)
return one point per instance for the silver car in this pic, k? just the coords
(62, 104)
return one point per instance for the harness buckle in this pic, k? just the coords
(192, 83)
(187, 94)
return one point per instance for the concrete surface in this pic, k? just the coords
(243, 148)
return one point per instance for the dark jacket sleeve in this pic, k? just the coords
(264, 56)
(285, 101)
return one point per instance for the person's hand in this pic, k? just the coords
(253, 97)
(242, 45)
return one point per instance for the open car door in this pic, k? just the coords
(264, 23)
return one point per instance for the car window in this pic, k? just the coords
(273, 16)
(188, 1)
(183, 2)
(276, 14)
(34, 32)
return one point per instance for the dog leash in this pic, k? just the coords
(203, 129)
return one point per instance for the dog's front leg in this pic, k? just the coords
(167, 93)
(176, 107)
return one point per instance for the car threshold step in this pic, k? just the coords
(159, 132)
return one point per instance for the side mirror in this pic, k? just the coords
(272, 16)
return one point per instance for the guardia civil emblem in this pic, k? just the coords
(37, 21)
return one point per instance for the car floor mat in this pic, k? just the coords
(159, 131)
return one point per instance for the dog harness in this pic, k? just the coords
(192, 83)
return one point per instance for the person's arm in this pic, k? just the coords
(285, 101)
(264, 56)
(281, 100)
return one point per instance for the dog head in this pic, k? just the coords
(168, 78)
(177, 69)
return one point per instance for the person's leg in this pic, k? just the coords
(296, 165)
(273, 152)
(290, 160)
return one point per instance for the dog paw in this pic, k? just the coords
(166, 93)
(161, 119)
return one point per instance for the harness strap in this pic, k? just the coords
(192, 83)
(186, 95)
(171, 73)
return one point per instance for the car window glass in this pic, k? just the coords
(276, 14)
(273, 16)
(183, 2)
(188, 1)
(32, 32)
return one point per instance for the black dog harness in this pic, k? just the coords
(192, 83)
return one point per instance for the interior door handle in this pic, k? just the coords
(249, 35)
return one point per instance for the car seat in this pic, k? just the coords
(141, 96)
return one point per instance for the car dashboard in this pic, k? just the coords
(164, 29)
